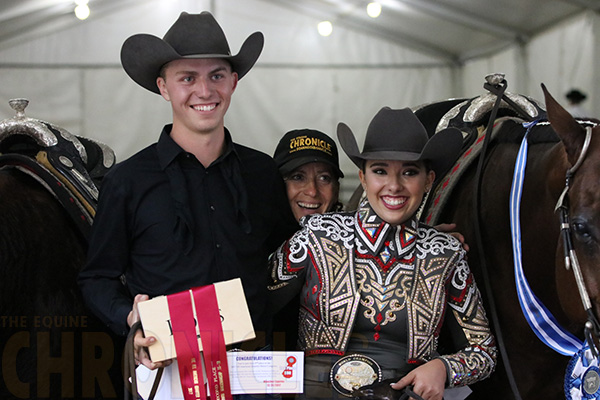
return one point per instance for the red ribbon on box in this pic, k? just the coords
(181, 309)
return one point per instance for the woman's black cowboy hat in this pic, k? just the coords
(191, 36)
(399, 135)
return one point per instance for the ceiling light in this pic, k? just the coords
(325, 28)
(82, 11)
(374, 9)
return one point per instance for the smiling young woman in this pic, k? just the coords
(395, 189)
(376, 285)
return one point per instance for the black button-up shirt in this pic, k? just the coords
(224, 224)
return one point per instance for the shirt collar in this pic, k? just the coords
(168, 150)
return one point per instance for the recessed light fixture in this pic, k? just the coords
(325, 28)
(374, 9)
(82, 10)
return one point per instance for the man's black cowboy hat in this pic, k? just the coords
(399, 135)
(191, 36)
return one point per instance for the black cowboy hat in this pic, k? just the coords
(303, 146)
(399, 135)
(191, 36)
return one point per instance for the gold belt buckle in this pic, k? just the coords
(352, 372)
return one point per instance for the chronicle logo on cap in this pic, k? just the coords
(303, 146)
(309, 143)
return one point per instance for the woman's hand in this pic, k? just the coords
(141, 343)
(378, 391)
(428, 380)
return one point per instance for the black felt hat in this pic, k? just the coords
(399, 135)
(191, 36)
(303, 146)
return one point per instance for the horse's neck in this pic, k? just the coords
(548, 163)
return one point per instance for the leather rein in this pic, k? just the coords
(497, 85)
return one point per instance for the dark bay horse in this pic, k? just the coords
(554, 148)
(51, 346)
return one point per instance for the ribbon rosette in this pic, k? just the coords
(582, 379)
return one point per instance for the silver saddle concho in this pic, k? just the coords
(352, 372)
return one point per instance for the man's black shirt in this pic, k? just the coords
(224, 224)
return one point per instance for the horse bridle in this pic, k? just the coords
(592, 327)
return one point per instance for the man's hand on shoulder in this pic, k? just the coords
(449, 229)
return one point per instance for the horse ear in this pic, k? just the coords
(570, 132)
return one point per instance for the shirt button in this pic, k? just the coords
(218, 246)
(212, 208)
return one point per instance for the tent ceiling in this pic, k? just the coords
(453, 30)
(456, 30)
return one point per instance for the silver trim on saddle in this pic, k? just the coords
(65, 152)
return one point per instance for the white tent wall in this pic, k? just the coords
(563, 57)
(473, 72)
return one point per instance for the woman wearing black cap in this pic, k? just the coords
(308, 161)
(377, 285)
(309, 164)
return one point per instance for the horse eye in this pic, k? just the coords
(581, 230)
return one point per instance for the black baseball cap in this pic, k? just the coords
(303, 146)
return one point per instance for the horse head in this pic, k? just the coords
(582, 205)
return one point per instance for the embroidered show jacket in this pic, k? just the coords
(320, 260)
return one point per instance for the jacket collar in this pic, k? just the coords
(374, 234)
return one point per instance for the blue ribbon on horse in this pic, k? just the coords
(583, 366)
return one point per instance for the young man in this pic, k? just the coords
(194, 208)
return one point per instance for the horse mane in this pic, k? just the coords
(513, 132)
(542, 132)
